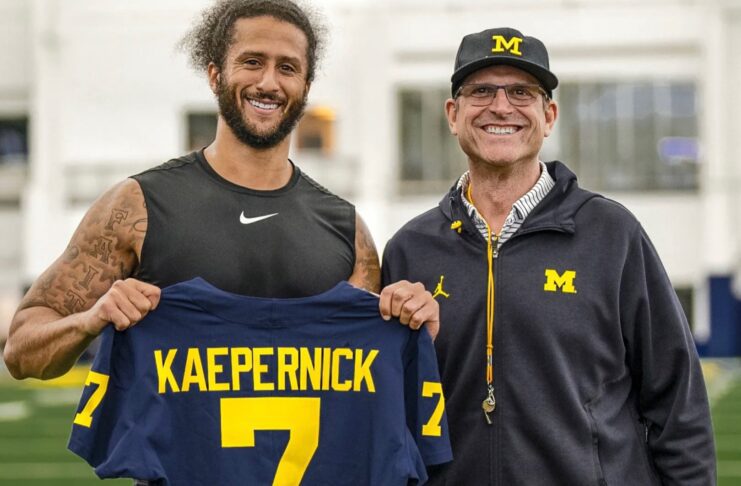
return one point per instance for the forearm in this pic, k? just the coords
(43, 344)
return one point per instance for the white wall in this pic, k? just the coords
(15, 83)
(15, 86)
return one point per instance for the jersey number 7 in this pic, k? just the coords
(241, 417)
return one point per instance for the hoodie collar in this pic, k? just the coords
(520, 209)
(555, 212)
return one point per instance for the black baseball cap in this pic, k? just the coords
(503, 46)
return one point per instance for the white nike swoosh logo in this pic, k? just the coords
(245, 220)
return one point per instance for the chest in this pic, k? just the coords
(289, 246)
(551, 299)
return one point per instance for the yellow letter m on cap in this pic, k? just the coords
(554, 281)
(501, 44)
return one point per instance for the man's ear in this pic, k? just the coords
(451, 113)
(214, 77)
(551, 115)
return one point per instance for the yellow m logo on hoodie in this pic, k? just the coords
(554, 281)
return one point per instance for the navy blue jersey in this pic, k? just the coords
(218, 388)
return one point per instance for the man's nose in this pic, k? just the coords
(268, 80)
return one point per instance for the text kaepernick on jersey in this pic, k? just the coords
(280, 368)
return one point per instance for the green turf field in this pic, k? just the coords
(35, 420)
(725, 404)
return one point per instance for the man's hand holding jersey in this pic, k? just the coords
(412, 304)
(123, 305)
(128, 301)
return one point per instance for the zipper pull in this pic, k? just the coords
(489, 404)
(486, 416)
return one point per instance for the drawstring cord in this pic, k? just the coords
(489, 402)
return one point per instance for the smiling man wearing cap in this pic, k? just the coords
(565, 355)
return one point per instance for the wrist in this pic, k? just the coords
(90, 324)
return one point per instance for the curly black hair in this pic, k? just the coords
(210, 38)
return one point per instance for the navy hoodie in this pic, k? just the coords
(596, 375)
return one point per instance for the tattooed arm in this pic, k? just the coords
(84, 289)
(367, 271)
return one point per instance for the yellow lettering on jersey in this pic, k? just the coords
(193, 373)
(164, 371)
(287, 368)
(85, 417)
(564, 281)
(214, 368)
(239, 367)
(363, 370)
(336, 355)
(258, 368)
(432, 427)
(310, 369)
(501, 44)
(222, 369)
(326, 367)
(242, 417)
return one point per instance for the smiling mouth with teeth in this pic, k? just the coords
(501, 130)
(263, 105)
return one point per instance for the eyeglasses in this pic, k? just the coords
(517, 94)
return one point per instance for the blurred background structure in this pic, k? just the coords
(92, 91)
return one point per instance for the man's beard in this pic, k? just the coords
(229, 107)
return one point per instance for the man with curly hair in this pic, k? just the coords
(237, 213)
(164, 225)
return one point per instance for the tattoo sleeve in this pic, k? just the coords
(367, 270)
(104, 248)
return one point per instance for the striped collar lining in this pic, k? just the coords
(520, 209)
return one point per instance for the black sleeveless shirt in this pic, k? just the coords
(295, 241)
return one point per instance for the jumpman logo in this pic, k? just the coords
(439, 289)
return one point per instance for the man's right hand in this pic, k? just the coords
(412, 304)
(123, 305)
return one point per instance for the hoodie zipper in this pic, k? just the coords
(489, 403)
